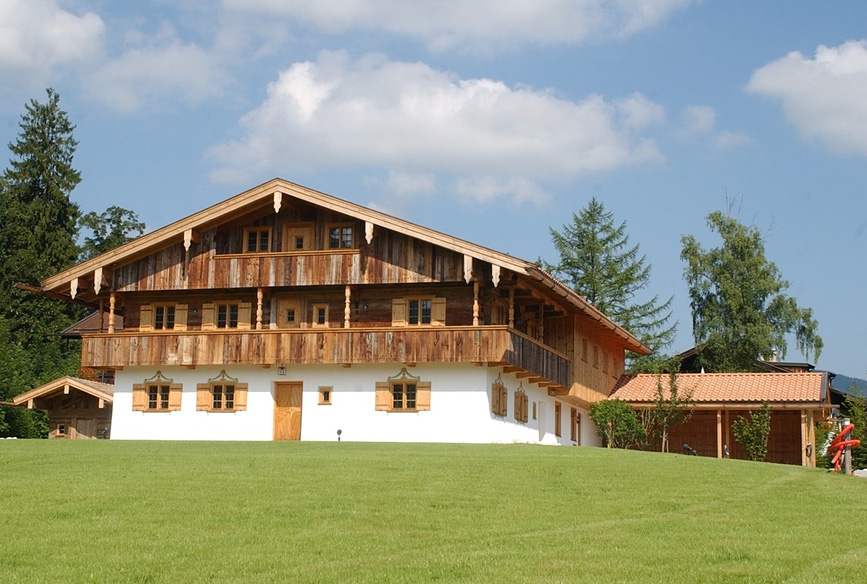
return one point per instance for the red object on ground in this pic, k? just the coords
(839, 444)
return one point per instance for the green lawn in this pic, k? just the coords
(103, 511)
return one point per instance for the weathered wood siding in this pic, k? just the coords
(391, 258)
(344, 346)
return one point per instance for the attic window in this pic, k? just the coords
(340, 236)
(257, 239)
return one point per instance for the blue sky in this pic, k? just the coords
(488, 120)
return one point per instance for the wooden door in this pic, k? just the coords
(287, 410)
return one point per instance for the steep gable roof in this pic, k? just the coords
(275, 191)
(98, 390)
(729, 388)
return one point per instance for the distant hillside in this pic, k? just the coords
(843, 383)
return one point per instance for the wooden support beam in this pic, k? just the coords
(30, 404)
(65, 389)
(536, 379)
(347, 307)
(111, 305)
(521, 374)
(510, 369)
(476, 303)
(512, 307)
(719, 434)
(101, 404)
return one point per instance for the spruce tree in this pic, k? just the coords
(38, 227)
(38, 222)
(597, 261)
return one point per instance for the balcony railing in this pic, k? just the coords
(346, 346)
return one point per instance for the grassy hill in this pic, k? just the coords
(103, 511)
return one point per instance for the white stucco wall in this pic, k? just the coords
(460, 407)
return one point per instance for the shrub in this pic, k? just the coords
(616, 423)
(752, 432)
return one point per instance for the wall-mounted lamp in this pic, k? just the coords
(281, 370)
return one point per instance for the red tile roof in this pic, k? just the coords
(728, 387)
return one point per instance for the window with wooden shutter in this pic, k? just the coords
(221, 394)
(499, 399)
(403, 393)
(157, 394)
(521, 406)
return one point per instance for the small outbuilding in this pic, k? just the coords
(799, 400)
(77, 408)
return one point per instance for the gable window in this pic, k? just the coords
(257, 239)
(163, 317)
(340, 236)
(499, 398)
(157, 394)
(226, 315)
(221, 394)
(521, 406)
(403, 393)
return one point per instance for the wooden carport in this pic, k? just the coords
(798, 401)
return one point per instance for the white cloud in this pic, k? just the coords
(36, 36)
(447, 24)
(824, 97)
(408, 117)
(697, 120)
(728, 140)
(156, 67)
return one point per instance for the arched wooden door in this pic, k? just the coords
(287, 410)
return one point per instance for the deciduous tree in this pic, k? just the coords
(108, 230)
(739, 309)
(597, 261)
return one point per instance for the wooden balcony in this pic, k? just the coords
(466, 344)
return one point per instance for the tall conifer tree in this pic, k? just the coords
(38, 227)
(39, 222)
(597, 261)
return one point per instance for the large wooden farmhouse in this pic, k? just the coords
(285, 313)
